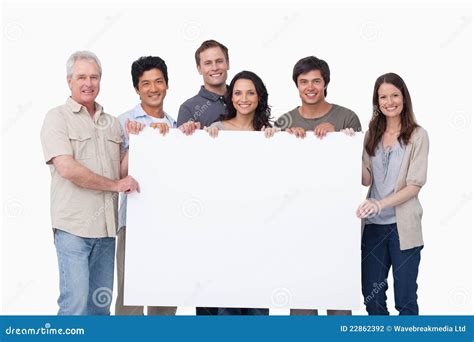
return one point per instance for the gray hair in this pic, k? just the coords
(78, 55)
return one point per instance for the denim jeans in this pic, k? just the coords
(86, 274)
(380, 251)
(243, 312)
(202, 311)
(314, 312)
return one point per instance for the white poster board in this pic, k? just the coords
(244, 221)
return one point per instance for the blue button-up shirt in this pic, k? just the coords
(139, 115)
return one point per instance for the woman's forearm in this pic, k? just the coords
(399, 197)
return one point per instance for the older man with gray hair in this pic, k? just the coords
(81, 145)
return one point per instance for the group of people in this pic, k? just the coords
(87, 151)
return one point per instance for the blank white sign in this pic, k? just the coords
(244, 221)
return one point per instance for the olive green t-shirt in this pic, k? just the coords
(339, 116)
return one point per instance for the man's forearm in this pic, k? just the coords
(82, 176)
(124, 166)
(85, 178)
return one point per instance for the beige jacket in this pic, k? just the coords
(412, 172)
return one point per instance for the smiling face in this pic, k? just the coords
(311, 87)
(213, 67)
(244, 97)
(84, 82)
(390, 100)
(152, 89)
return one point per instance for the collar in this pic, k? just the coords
(203, 92)
(138, 112)
(76, 106)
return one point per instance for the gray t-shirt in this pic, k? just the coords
(339, 116)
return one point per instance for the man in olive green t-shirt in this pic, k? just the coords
(311, 76)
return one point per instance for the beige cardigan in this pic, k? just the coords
(412, 172)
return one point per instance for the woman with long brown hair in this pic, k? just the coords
(395, 160)
(247, 110)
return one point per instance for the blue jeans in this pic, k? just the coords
(380, 251)
(86, 274)
(201, 311)
(243, 312)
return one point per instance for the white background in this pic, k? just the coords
(429, 45)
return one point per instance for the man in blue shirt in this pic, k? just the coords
(150, 80)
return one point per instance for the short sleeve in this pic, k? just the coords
(123, 148)
(418, 167)
(283, 122)
(123, 120)
(54, 136)
(354, 123)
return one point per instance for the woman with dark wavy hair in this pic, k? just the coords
(247, 110)
(395, 160)
(247, 106)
